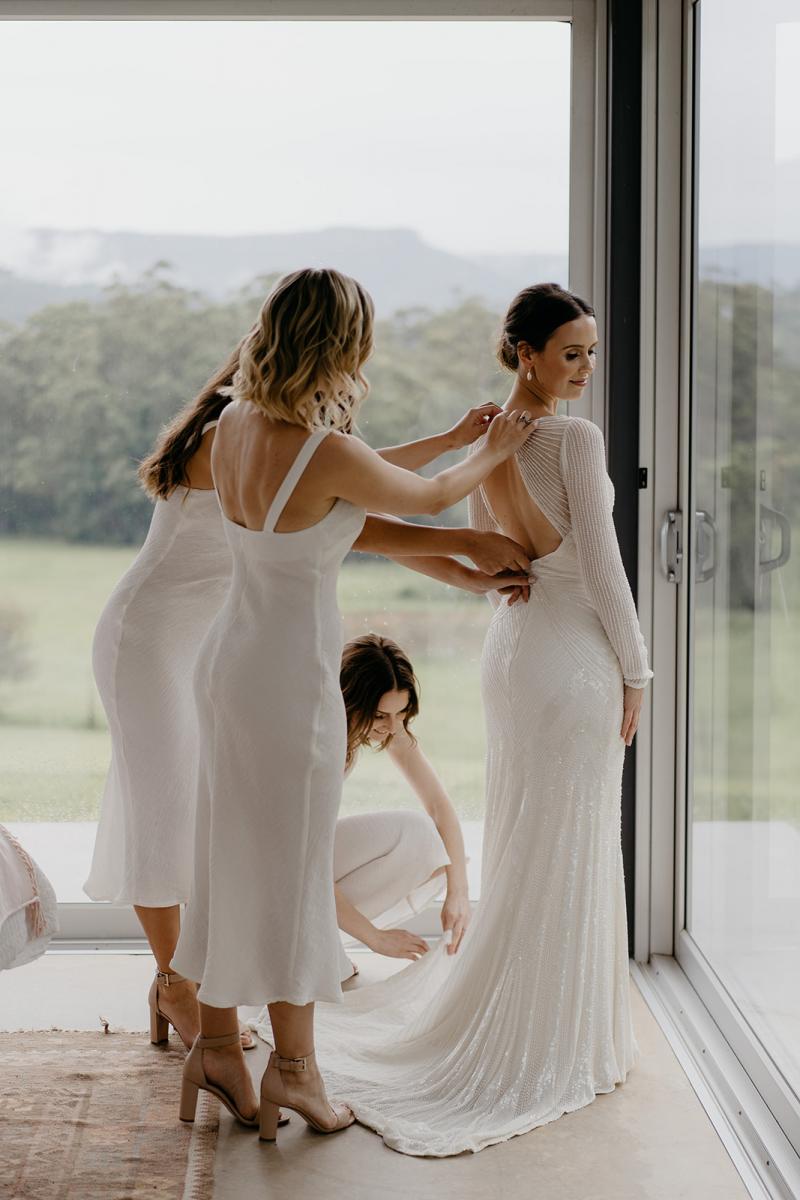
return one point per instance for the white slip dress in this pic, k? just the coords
(144, 651)
(531, 1018)
(260, 925)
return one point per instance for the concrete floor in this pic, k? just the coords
(649, 1140)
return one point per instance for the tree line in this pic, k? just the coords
(85, 388)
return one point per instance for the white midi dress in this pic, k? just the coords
(260, 925)
(144, 651)
(531, 1018)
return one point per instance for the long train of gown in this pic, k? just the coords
(531, 1019)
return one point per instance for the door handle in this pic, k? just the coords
(767, 514)
(705, 543)
(672, 546)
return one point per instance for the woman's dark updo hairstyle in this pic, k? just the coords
(534, 316)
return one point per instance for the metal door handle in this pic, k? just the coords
(782, 521)
(672, 546)
(705, 541)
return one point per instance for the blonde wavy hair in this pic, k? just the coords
(302, 361)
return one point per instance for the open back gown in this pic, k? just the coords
(531, 1018)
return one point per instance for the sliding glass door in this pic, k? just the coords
(741, 944)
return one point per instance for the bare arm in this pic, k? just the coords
(430, 791)
(414, 455)
(396, 943)
(468, 579)
(354, 472)
(490, 552)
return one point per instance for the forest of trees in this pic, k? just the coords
(85, 388)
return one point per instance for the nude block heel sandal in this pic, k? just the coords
(329, 1118)
(194, 1078)
(159, 1024)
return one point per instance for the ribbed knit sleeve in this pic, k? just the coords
(590, 497)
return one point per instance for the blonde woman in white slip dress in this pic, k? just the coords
(532, 1018)
(145, 648)
(272, 732)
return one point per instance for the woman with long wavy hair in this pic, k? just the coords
(146, 644)
(293, 487)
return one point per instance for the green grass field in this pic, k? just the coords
(54, 747)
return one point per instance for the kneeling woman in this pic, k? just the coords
(389, 865)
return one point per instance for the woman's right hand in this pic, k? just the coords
(398, 943)
(494, 552)
(507, 432)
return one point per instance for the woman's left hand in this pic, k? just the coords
(456, 916)
(514, 585)
(472, 425)
(631, 710)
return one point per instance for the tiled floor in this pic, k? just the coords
(649, 1140)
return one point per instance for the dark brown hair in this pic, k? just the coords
(534, 316)
(371, 667)
(164, 469)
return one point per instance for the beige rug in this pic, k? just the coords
(94, 1116)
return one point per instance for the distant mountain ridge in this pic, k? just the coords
(401, 270)
(396, 265)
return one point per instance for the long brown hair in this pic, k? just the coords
(371, 667)
(164, 469)
(303, 360)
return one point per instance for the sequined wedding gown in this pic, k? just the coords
(532, 1018)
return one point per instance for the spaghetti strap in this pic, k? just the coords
(209, 425)
(292, 478)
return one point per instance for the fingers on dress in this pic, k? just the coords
(531, 1019)
(260, 925)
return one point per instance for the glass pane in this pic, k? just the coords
(147, 217)
(744, 878)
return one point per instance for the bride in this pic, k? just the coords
(532, 1018)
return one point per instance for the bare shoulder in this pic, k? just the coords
(343, 450)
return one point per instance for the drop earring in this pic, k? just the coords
(529, 377)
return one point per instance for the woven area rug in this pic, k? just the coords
(94, 1116)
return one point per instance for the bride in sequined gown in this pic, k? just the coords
(531, 1019)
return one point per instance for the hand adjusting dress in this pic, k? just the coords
(260, 925)
(531, 1019)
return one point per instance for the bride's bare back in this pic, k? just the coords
(516, 513)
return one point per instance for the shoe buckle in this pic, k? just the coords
(290, 1064)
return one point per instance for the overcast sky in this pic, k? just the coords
(457, 130)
